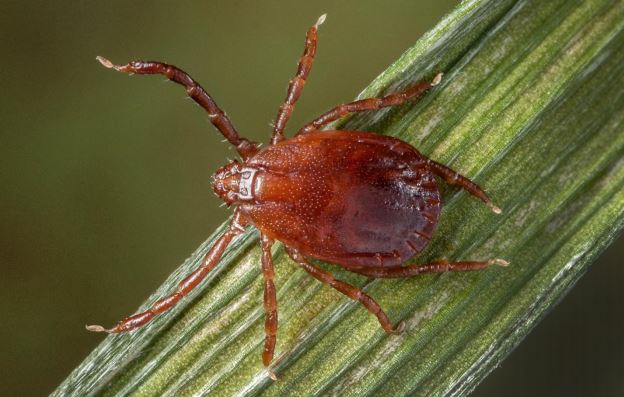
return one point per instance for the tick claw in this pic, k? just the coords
(499, 262)
(108, 64)
(272, 374)
(320, 20)
(495, 209)
(436, 80)
(97, 328)
(399, 328)
(105, 62)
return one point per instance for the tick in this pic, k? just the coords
(363, 201)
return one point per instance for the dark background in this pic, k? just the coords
(106, 179)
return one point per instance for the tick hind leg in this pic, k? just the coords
(191, 281)
(347, 289)
(295, 86)
(270, 304)
(370, 104)
(440, 266)
(218, 118)
(453, 178)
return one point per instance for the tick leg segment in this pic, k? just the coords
(218, 118)
(347, 289)
(440, 266)
(191, 281)
(369, 104)
(295, 86)
(270, 302)
(453, 178)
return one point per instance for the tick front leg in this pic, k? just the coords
(453, 178)
(218, 118)
(440, 266)
(370, 104)
(295, 86)
(270, 303)
(210, 261)
(347, 289)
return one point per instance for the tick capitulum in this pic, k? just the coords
(363, 201)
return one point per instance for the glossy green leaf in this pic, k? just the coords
(531, 107)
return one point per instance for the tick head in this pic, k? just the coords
(233, 183)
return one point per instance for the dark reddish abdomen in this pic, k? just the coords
(352, 198)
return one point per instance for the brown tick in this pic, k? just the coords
(363, 201)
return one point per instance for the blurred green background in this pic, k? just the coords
(106, 178)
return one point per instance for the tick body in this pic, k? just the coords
(362, 201)
(351, 198)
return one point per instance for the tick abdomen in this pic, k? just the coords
(353, 198)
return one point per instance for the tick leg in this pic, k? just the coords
(218, 118)
(453, 178)
(347, 289)
(440, 266)
(295, 86)
(210, 261)
(370, 104)
(270, 303)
